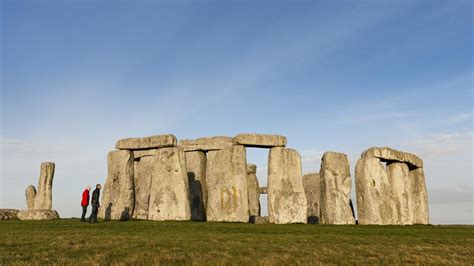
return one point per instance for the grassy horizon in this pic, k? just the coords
(68, 241)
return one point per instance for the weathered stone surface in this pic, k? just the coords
(142, 176)
(118, 196)
(263, 190)
(375, 200)
(419, 196)
(261, 220)
(169, 192)
(30, 194)
(137, 154)
(311, 184)
(253, 188)
(196, 167)
(8, 214)
(38, 215)
(260, 140)
(335, 189)
(286, 197)
(44, 195)
(400, 181)
(227, 188)
(389, 154)
(151, 142)
(206, 144)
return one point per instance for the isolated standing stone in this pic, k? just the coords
(118, 195)
(375, 200)
(206, 144)
(227, 188)
(260, 140)
(311, 184)
(400, 181)
(254, 191)
(196, 167)
(169, 192)
(419, 196)
(143, 175)
(30, 194)
(286, 197)
(44, 195)
(151, 142)
(336, 186)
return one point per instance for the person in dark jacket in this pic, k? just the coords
(95, 204)
(85, 202)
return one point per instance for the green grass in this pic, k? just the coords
(69, 241)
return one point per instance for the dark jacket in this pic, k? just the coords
(95, 197)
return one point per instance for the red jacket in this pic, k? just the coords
(85, 198)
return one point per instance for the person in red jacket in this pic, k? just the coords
(85, 203)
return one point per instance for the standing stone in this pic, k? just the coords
(30, 194)
(286, 197)
(143, 174)
(336, 186)
(260, 140)
(375, 201)
(311, 184)
(196, 167)
(419, 196)
(254, 190)
(227, 189)
(118, 196)
(169, 192)
(44, 195)
(400, 180)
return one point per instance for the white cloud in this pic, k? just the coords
(443, 144)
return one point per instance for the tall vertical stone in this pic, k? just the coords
(400, 181)
(311, 184)
(30, 194)
(227, 189)
(419, 196)
(286, 197)
(375, 200)
(196, 167)
(254, 190)
(142, 175)
(118, 197)
(44, 195)
(169, 192)
(336, 186)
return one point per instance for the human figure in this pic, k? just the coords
(85, 202)
(95, 204)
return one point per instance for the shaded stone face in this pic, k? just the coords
(159, 141)
(30, 194)
(399, 177)
(118, 195)
(286, 197)
(38, 215)
(311, 184)
(227, 186)
(419, 196)
(254, 191)
(196, 167)
(44, 196)
(143, 175)
(169, 192)
(206, 144)
(260, 140)
(336, 186)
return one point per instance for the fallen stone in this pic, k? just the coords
(286, 197)
(335, 189)
(30, 194)
(196, 167)
(169, 192)
(253, 188)
(311, 184)
(387, 154)
(8, 214)
(400, 181)
(375, 200)
(142, 176)
(118, 196)
(227, 189)
(206, 144)
(137, 154)
(260, 140)
(419, 196)
(44, 195)
(38, 215)
(159, 141)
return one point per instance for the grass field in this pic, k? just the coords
(69, 241)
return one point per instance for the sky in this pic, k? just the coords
(342, 76)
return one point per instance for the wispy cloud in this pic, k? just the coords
(443, 144)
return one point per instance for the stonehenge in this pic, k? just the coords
(209, 179)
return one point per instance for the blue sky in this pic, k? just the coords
(330, 75)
